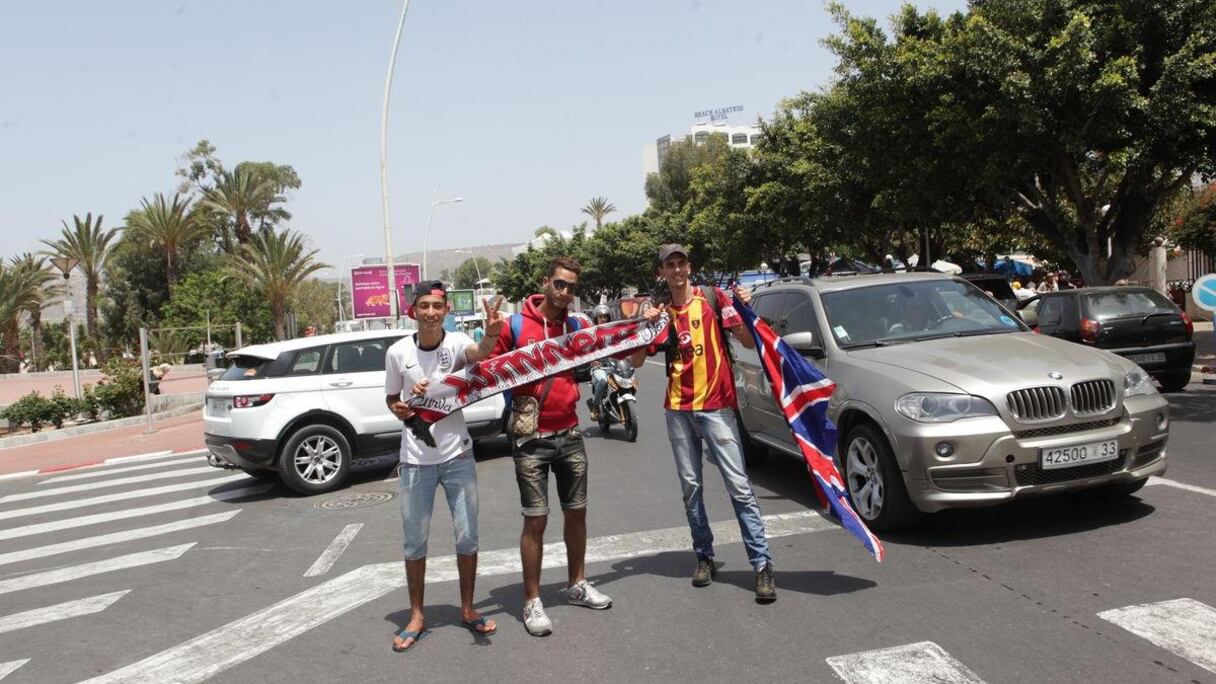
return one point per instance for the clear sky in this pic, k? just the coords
(526, 109)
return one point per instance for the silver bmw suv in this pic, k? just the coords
(945, 399)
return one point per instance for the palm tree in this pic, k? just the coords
(546, 230)
(90, 244)
(168, 225)
(47, 291)
(21, 284)
(597, 208)
(275, 263)
(240, 198)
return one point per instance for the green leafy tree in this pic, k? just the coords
(1190, 220)
(670, 190)
(275, 263)
(168, 225)
(210, 295)
(315, 304)
(598, 208)
(49, 291)
(22, 284)
(1084, 116)
(87, 242)
(471, 270)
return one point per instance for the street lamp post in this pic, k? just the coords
(65, 265)
(476, 266)
(426, 236)
(388, 231)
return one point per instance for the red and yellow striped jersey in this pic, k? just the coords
(701, 377)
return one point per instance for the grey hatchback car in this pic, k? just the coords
(944, 399)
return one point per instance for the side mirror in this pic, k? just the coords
(804, 343)
(1029, 317)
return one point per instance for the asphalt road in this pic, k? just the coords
(163, 570)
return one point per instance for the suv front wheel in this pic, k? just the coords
(316, 459)
(875, 484)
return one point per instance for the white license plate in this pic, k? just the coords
(1155, 357)
(1079, 454)
(218, 407)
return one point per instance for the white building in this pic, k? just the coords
(741, 137)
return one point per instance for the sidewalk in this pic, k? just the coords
(173, 434)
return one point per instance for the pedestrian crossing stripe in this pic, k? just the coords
(923, 662)
(103, 484)
(1185, 627)
(62, 611)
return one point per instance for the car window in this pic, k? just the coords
(911, 311)
(247, 368)
(1131, 303)
(306, 361)
(359, 356)
(799, 314)
(768, 307)
(1051, 311)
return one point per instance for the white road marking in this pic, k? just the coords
(75, 572)
(923, 662)
(111, 471)
(657, 363)
(1154, 480)
(121, 496)
(220, 649)
(153, 456)
(1184, 627)
(8, 668)
(90, 486)
(330, 555)
(97, 518)
(115, 537)
(61, 611)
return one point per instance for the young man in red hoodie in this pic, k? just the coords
(557, 445)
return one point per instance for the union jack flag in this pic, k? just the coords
(802, 392)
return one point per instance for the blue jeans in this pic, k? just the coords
(718, 429)
(599, 385)
(417, 483)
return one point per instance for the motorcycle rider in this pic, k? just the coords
(601, 369)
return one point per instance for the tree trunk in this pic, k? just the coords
(9, 363)
(35, 335)
(90, 307)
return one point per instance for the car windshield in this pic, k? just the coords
(1104, 306)
(912, 311)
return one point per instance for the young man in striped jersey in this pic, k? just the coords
(700, 407)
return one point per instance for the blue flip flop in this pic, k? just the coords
(407, 634)
(472, 626)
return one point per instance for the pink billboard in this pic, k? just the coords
(369, 289)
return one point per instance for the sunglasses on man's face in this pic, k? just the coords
(566, 285)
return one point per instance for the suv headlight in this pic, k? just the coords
(942, 407)
(1137, 382)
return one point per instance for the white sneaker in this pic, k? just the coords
(584, 594)
(535, 620)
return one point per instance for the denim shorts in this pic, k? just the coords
(417, 483)
(566, 456)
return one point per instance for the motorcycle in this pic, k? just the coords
(620, 405)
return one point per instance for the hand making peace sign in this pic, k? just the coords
(494, 318)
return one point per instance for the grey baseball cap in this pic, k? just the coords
(667, 250)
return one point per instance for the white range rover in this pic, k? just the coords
(311, 409)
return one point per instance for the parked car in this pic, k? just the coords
(311, 409)
(1138, 323)
(945, 400)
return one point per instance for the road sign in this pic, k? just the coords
(462, 302)
(1204, 292)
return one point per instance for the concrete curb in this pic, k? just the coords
(91, 428)
(90, 464)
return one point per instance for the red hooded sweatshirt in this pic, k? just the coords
(558, 411)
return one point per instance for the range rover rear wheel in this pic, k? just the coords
(315, 459)
(875, 483)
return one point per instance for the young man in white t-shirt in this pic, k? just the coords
(410, 365)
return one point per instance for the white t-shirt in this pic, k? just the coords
(405, 364)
